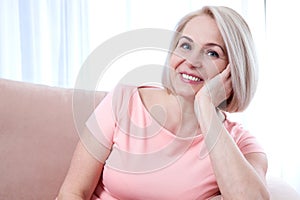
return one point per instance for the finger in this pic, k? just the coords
(228, 88)
(227, 71)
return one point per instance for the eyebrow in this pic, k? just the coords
(208, 44)
(186, 37)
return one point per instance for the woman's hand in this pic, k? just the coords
(210, 96)
(217, 89)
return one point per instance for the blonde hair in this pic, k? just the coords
(240, 51)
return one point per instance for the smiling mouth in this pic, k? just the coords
(189, 78)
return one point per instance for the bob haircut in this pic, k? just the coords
(240, 51)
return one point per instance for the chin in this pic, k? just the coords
(186, 92)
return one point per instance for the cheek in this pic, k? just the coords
(175, 61)
(215, 68)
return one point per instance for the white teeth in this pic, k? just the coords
(189, 77)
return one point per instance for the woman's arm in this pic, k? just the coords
(82, 177)
(238, 176)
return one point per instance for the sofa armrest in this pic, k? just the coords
(280, 190)
(38, 135)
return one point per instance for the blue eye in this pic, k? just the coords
(213, 54)
(186, 46)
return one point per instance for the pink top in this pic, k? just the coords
(146, 160)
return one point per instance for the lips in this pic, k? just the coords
(190, 78)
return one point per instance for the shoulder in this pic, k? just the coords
(122, 93)
(151, 96)
(124, 97)
(236, 130)
(246, 142)
(232, 125)
(152, 92)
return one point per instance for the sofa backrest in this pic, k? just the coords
(38, 135)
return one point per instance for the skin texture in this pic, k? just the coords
(201, 55)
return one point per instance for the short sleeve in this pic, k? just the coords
(101, 126)
(246, 142)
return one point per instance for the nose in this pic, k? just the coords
(195, 60)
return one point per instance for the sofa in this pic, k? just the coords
(38, 134)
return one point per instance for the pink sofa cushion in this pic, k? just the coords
(37, 138)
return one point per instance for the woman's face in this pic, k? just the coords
(199, 55)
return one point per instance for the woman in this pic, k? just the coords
(175, 142)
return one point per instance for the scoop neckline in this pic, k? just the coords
(156, 122)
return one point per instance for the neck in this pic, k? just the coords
(186, 108)
(185, 105)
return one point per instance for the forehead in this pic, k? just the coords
(203, 29)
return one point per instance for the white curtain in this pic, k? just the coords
(43, 41)
(280, 93)
(47, 41)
